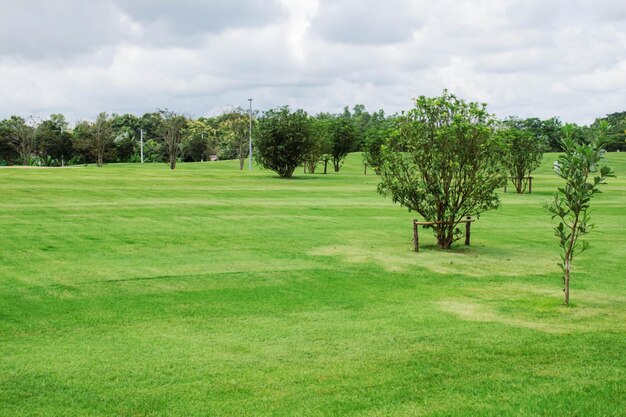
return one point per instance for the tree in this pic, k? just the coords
(172, 134)
(22, 136)
(549, 130)
(571, 204)
(343, 135)
(525, 152)
(101, 137)
(54, 139)
(283, 140)
(199, 140)
(616, 123)
(127, 131)
(443, 162)
(360, 119)
(321, 142)
(378, 129)
(8, 152)
(235, 127)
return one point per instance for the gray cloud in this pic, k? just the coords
(360, 22)
(529, 58)
(189, 17)
(40, 29)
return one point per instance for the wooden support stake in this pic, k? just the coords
(416, 242)
(467, 232)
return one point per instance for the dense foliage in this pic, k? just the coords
(523, 156)
(444, 162)
(226, 136)
(343, 135)
(283, 140)
(172, 134)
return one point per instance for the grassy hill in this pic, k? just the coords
(136, 291)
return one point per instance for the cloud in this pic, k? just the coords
(40, 29)
(361, 22)
(528, 58)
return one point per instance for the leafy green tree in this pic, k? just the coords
(127, 131)
(320, 132)
(54, 140)
(8, 153)
(343, 135)
(361, 120)
(524, 154)
(172, 134)
(582, 169)
(92, 140)
(22, 136)
(235, 128)
(549, 130)
(81, 138)
(444, 162)
(199, 140)
(616, 133)
(283, 140)
(378, 129)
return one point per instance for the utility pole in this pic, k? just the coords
(250, 142)
(141, 136)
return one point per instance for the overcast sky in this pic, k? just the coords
(527, 58)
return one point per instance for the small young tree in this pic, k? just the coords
(283, 140)
(443, 162)
(571, 203)
(343, 135)
(172, 129)
(525, 152)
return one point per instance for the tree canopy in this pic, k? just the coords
(283, 140)
(444, 162)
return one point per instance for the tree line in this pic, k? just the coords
(170, 137)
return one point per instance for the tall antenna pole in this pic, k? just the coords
(141, 135)
(250, 142)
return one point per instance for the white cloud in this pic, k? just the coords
(529, 58)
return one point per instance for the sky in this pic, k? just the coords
(526, 58)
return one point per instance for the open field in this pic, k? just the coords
(135, 291)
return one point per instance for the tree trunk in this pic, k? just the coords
(287, 172)
(99, 161)
(241, 162)
(519, 182)
(445, 236)
(566, 283)
(336, 163)
(325, 165)
(566, 270)
(172, 161)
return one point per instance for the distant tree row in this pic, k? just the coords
(167, 136)
(115, 138)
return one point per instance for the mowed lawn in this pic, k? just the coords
(132, 290)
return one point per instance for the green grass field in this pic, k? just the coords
(131, 290)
